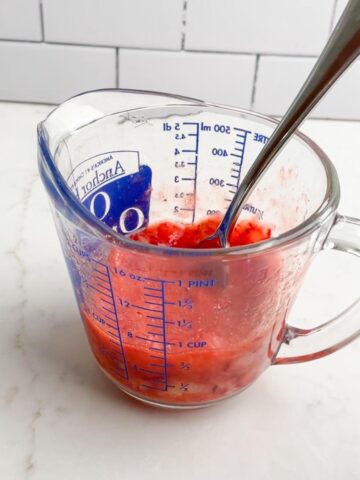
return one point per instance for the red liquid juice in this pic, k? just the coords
(193, 348)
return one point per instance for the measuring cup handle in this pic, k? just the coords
(302, 345)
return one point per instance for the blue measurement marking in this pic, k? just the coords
(152, 388)
(156, 337)
(100, 278)
(153, 326)
(152, 280)
(152, 372)
(158, 280)
(194, 134)
(156, 349)
(111, 326)
(241, 137)
(164, 329)
(144, 308)
(154, 333)
(99, 271)
(154, 341)
(107, 289)
(195, 152)
(112, 334)
(106, 301)
(157, 380)
(99, 291)
(107, 309)
(242, 130)
(157, 365)
(106, 274)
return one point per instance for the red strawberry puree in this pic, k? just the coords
(219, 337)
(190, 235)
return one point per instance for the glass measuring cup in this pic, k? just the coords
(175, 327)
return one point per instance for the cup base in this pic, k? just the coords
(168, 406)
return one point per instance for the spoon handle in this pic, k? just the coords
(340, 51)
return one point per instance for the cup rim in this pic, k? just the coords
(327, 207)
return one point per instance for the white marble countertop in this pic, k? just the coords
(60, 418)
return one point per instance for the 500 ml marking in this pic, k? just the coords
(238, 155)
(186, 137)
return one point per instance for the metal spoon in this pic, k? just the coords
(340, 51)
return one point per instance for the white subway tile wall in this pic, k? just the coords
(343, 101)
(222, 78)
(37, 72)
(278, 81)
(121, 23)
(280, 78)
(259, 26)
(20, 20)
(249, 54)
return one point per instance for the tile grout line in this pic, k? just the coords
(256, 70)
(117, 73)
(253, 54)
(42, 24)
(87, 45)
(143, 49)
(183, 31)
